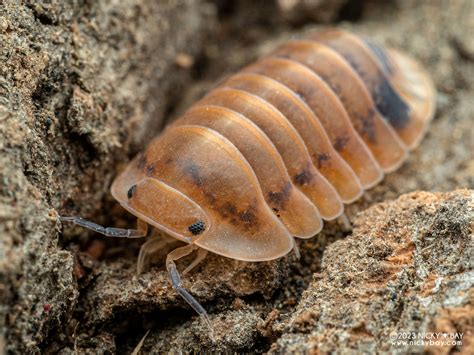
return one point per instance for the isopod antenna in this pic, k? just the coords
(140, 232)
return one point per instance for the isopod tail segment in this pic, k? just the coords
(402, 91)
(148, 248)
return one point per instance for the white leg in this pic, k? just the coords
(296, 249)
(150, 247)
(109, 232)
(345, 221)
(201, 254)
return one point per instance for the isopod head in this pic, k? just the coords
(227, 204)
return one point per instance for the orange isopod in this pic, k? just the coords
(274, 150)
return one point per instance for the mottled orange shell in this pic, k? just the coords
(281, 145)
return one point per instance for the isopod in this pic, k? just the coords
(275, 149)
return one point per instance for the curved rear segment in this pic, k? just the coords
(402, 91)
(376, 132)
(415, 86)
(388, 102)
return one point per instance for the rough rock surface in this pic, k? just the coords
(406, 268)
(83, 87)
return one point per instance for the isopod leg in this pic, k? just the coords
(296, 249)
(141, 231)
(201, 254)
(150, 247)
(345, 221)
(176, 282)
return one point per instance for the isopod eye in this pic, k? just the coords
(197, 228)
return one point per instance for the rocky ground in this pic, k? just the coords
(84, 87)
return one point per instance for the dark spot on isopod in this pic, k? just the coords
(248, 217)
(340, 143)
(193, 171)
(304, 177)
(321, 158)
(197, 228)
(210, 197)
(392, 107)
(150, 169)
(131, 191)
(228, 209)
(276, 210)
(368, 126)
(379, 52)
(279, 198)
(230, 212)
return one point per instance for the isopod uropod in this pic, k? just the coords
(275, 149)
